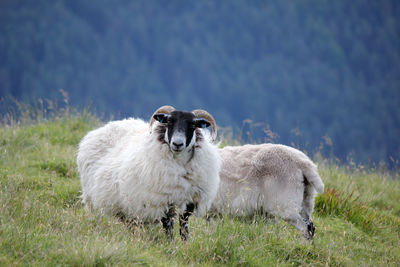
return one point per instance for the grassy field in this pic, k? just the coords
(42, 222)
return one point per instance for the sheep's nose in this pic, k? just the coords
(178, 145)
(178, 142)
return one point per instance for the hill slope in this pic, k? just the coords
(43, 223)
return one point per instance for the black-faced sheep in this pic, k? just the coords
(144, 170)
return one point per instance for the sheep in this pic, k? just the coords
(142, 171)
(275, 179)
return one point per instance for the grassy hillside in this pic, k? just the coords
(43, 223)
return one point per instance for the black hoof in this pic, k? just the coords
(310, 228)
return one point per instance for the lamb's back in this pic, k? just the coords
(240, 162)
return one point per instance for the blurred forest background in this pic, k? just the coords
(313, 72)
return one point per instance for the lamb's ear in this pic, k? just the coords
(201, 123)
(161, 117)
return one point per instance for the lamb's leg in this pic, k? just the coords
(168, 221)
(183, 221)
(307, 207)
(309, 223)
(310, 227)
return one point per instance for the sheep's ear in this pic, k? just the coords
(161, 117)
(201, 123)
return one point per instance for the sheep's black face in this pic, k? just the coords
(180, 127)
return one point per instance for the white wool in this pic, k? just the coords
(124, 168)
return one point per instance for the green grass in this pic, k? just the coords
(42, 222)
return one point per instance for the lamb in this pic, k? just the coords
(275, 179)
(142, 171)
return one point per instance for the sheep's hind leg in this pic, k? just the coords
(307, 207)
(309, 223)
(183, 221)
(310, 227)
(168, 221)
(306, 227)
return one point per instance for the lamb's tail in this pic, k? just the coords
(312, 176)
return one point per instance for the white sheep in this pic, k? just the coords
(275, 179)
(143, 170)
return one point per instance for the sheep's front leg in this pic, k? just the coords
(183, 221)
(168, 221)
